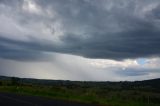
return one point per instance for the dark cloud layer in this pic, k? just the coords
(18, 50)
(91, 28)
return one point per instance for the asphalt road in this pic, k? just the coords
(9, 99)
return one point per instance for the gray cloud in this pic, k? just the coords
(134, 72)
(91, 28)
(20, 50)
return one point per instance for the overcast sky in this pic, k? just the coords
(93, 40)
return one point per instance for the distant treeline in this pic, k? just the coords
(149, 85)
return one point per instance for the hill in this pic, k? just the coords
(123, 93)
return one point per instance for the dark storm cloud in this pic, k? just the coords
(92, 28)
(128, 45)
(19, 50)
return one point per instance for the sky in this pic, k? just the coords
(84, 40)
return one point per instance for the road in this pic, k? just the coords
(9, 99)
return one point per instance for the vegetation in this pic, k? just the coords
(139, 93)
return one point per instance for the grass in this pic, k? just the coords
(100, 95)
(88, 95)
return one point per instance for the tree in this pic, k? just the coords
(15, 81)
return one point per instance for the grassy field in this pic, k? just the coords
(94, 93)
